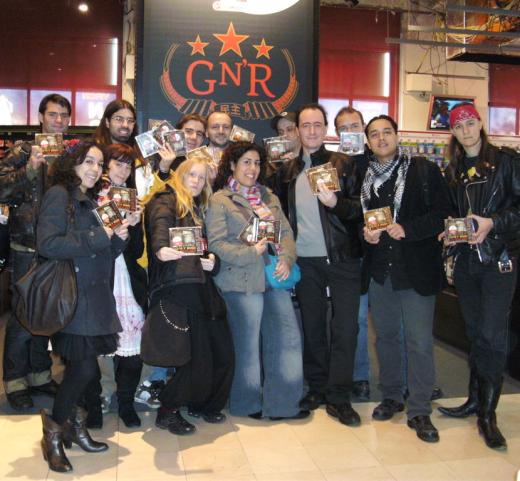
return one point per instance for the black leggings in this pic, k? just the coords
(78, 374)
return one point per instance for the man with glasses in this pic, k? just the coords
(23, 180)
(328, 245)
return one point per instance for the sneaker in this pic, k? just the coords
(148, 393)
(105, 404)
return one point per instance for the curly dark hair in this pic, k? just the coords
(63, 172)
(232, 154)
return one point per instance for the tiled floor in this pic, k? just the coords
(316, 449)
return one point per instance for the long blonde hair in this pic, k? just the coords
(185, 204)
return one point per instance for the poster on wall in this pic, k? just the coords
(250, 58)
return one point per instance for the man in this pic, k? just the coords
(194, 128)
(218, 130)
(328, 246)
(23, 179)
(284, 124)
(403, 272)
(118, 124)
(349, 119)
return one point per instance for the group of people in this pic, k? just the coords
(212, 327)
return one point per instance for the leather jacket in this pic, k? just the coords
(341, 224)
(493, 193)
(23, 192)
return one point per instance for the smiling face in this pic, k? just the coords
(55, 120)
(382, 140)
(247, 168)
(219, 129)
(312, 129)
(118, 171)
(349, 122)
(121, 125)
(194, 134)
(467, 132)
(195, 179)
(90, 170)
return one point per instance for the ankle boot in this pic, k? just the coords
(52, 445)
(489, 394)
(75, 431)
(470, 406)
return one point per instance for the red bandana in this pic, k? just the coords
(463, 112)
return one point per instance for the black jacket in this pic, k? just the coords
(495, 194)
(341, 224)
(93, 254)
(22, 194)
(424, 206)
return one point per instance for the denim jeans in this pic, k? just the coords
(391, 311)
(362, 361)
(268, 353)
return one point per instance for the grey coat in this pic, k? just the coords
(241, 269)
(93, 253)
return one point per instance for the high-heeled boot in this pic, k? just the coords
(52, 445)
(470, 406)
(75, 431)
(489, 394)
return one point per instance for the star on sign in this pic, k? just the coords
(230, 40)
(198, 46)
(262, 50)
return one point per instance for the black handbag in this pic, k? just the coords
(47, 294)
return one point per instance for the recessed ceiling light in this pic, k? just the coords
(83, 7)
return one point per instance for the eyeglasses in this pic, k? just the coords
(55, 115)
(121, 120)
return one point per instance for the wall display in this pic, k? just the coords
(248, 60)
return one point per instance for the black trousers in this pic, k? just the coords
(24, 353)
(204, 382)
(328, 367)
(485, 297)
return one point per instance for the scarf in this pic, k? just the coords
(253, 196)
(377, 174)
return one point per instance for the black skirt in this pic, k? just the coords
(74, 347)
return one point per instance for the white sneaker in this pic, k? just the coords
(148, 393)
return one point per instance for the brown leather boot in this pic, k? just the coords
(52, 445)
(75, 431)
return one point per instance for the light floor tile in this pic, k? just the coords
(154, 466)
(422, 472)
(271, 436)
(378, 473)
(335, 457)
(296, 476)
(483, 469)
(212, 461)
(279, 460)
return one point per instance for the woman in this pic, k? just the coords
(68, 229)
(268, 380)
(129, 286)
(186, 326)
(485, 185)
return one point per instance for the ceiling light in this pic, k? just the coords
(83, 7)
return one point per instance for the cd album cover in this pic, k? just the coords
(378, 218)
(188, 240)
(51, 144)
(124, 197)
(239, 134)
(257, 229)
(177, 141)
(276, 148)
(200, 153)
(459, 230)
(109, 215)
(147, 144)
(325, 175)
(351, 143)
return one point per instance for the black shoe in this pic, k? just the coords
(488, 429)
(386, 409)
(257, 415)
(361, 390)
(345, 413)
(20, 400)
(215, 417)
(52, 445)
(172, 420)
(313, 400)
(436, 394)
(75, 431)
(424, 428)
(48, 389)
(95, 415)
(302, 414)
(128, 415)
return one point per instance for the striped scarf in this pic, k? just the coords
(253, 196)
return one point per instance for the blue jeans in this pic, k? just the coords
(361, 361)
(268, 354)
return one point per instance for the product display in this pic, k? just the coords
(378, 218)
(177, 141)
(148, 145)
(277, 147)
(239, 134)
(351, 143)
(109, 215)
(325, 175)
(124, 197)
(459, 230)
(51, 144)
(188, 240)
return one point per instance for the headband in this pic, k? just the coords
(463, 112)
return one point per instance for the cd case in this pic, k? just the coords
(147, 143)
(200, 153)
(257, 229)
(51, 144)
(177, 141)
(239, 134)
(351, 143)
(459, 230)
(323, 174)
(188, 240)
(277, 147)
(108, 215)
(378, 218)
(124, 197)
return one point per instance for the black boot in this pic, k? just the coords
(127, 374)
(52, 445)
(91, 402)
(470, 406)
(75, 431)
(489, 394)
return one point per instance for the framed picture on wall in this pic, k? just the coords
(440, 107)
